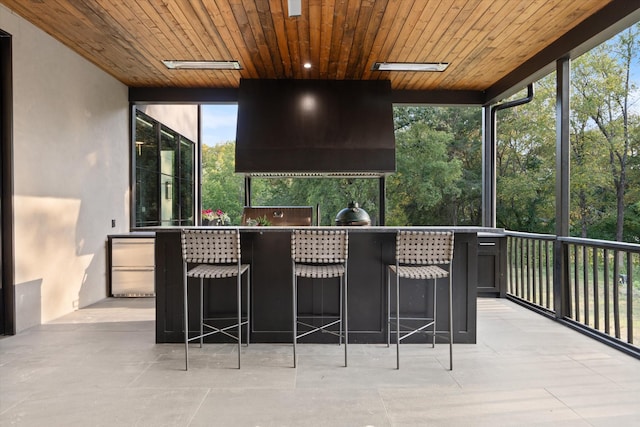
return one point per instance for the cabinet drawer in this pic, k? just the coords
(132, 282)
(132, 252)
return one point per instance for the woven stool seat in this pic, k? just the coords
(420, 272)
(319, 271)
(209, 271)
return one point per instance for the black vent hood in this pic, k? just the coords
(315, 128)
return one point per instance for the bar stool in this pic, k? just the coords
(216, 255)
(419, 255)
(320, 254)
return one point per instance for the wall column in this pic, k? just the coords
(488, 167)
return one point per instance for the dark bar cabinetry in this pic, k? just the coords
(268, 250)
(492, 265)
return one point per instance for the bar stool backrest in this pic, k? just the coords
(319, 246)
(211, 246)
(424, 247)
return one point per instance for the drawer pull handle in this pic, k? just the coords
(487, 243)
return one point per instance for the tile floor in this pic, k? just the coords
(100, 366)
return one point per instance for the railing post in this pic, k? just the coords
(560, 279)
(560, 253)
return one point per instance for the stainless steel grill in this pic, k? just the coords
(278, 215)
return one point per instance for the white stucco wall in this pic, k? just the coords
(178, 117)
(71, 173)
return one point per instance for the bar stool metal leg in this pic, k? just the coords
(397, 320)
(239, 311)
(450, 323)
(435, 305)
(186, 320)
(248, 305)
(341, 311)
(201, 311)
(388, 306)
(345, 319)
(295, 314)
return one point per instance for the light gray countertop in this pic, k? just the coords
(356, 229)
(133, 234)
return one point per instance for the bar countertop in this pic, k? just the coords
(359, 229)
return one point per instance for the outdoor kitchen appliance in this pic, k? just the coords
(277, 215)
(353, 215)
(299, 127)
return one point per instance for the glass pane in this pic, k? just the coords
(146, 143)
(186, 203)
(146, 198)
(165, 162)
(168, 200)
(187, 151)
(168, 152)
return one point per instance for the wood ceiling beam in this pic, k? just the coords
(205, 95)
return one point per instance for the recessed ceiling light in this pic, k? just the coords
(307, 65)
(202, 65)
(410, 66)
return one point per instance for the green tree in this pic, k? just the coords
(590, 178)
(602, 82)
(525, 163)
(426, 175)
(221, 187)
(461, 129)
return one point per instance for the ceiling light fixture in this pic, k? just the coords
(410, 66)
(202, 65)
(307, 65)
(294, 7)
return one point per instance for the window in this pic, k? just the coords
(164, 175)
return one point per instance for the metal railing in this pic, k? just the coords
(530, 268)
(596, 291)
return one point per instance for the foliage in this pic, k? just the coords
(221, 187)
(426, 179)
(525, 164)
(602, 84)
(262, 221)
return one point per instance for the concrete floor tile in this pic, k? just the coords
(299, 408)
(107, 407)
(476, 408)
(601, 402)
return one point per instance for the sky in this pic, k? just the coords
(218, 123)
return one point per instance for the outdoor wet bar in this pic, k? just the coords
(268, 251)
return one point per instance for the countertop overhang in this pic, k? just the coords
(356, 229)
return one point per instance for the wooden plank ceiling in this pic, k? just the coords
(483, 40)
